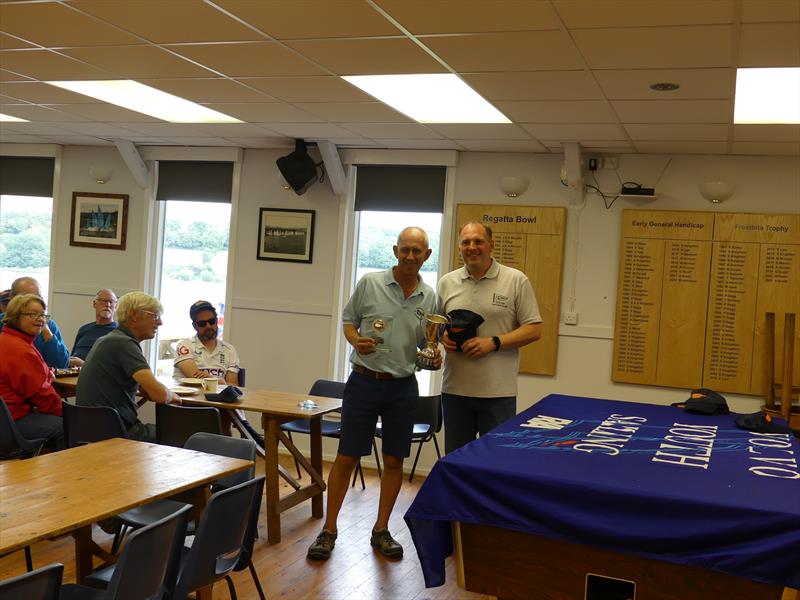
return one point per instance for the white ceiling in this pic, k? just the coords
(561, 70)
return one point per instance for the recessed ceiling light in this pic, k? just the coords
(767, 95)
(144, 99)
(430, 98)
(10, 119)
(664, 86)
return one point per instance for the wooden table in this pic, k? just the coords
(277, 408)
(67, 491)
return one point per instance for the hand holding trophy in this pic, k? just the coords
(433, 328)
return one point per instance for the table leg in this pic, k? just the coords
(317, 509)
(271, 429)
(83, 552)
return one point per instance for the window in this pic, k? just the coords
(377, 233)
(25, 224)
(194, 266)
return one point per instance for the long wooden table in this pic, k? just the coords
(277, 408)
(65, 492)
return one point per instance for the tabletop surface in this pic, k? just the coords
(55, 493)
(283, 404)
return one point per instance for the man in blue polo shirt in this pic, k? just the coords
(381, 322)
(104, 304)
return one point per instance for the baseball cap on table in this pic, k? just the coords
(761, 423)
(201, 305)
(463, 325)
(704, 402)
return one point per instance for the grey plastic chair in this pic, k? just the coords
(427, 423)
(88, 424)
(41, 584)
(12, 443)
(211, 443)
(219, 544)
(176, 424)
(330, 428)
(146, 569)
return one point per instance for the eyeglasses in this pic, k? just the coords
(35, 316)
(204, 322)
(156, 316)
(109, 301)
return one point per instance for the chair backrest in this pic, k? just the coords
(41, 584)
(242, 376)
(11, 440)
(327, 389)
(251, 532)
(87, 424)
(148, 563)
(176, 424)
(219, 541)
(429, 412)
(226, 446)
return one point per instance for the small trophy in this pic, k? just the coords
(379, 331)
(433, 327)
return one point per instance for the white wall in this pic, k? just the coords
(283, 314)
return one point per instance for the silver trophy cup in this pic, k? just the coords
(433, 328)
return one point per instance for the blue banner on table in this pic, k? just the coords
(635, 478)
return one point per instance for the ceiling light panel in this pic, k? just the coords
(144, 99)
(430, 98)
(767, 96)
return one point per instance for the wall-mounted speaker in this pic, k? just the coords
(298, 168)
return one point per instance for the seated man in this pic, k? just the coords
(49, 342)
(104, 304)
(116, 368)
(204, 355)
(5, 298)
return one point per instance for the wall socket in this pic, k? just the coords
(570, 318)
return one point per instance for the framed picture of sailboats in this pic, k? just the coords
(99, 220)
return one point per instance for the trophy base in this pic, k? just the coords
(428, 366)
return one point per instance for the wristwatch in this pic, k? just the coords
(496, 341)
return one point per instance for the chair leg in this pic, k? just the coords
(377, 458)
(118, 536)
(436, 445)
(28, 559)
(416, 458)
(296, 463)
(256, 581)
(231, 587)
(358, 472)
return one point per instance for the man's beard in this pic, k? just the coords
(208, 336)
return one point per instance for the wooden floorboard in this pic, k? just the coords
(355, 571)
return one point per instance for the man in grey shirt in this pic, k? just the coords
(116, 369)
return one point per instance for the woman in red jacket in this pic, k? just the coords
(25, 379)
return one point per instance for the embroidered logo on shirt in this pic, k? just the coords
(499, 300)
(420, 313)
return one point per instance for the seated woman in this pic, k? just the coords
(25, 379)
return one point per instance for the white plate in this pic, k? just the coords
(183, 391)
(191, 381)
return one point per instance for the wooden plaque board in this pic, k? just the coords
(692, 293)
(531, 239)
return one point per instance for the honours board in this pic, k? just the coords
(693, 290)
(531, 239)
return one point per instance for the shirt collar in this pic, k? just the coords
(126, 331)
(491, 273)
(388, 279)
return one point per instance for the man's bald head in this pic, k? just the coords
(25, 285)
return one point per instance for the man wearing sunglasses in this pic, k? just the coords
(205, 355)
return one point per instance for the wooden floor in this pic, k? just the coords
(355, 571)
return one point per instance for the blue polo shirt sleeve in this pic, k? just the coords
(54, 351)
(351, 315)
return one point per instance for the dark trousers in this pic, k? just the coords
(466, 417)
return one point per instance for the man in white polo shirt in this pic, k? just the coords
(204, 355)
(480, 373)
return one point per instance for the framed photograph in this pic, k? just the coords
(99, 220)
(286, 234)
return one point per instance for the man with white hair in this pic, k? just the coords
(116, 368)
(49, 342)
(104, 304)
